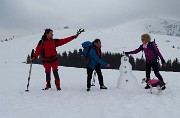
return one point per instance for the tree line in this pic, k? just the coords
(74, 59)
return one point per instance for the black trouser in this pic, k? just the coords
(155, 67)
(89, 76)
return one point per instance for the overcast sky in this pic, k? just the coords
(22, 16)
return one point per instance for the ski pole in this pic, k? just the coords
(32, 53)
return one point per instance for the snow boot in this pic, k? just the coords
(57, 83)
(164, 87)
(88, 89)
(147, 87)
(58, 88)
(103, 87)
(48, 86)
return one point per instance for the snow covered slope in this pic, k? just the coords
(115, 39)
(75, 102)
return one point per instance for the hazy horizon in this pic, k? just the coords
(20, 17)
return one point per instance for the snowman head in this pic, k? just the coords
(125, 65)
(124, 59)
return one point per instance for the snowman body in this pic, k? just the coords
(127, 80)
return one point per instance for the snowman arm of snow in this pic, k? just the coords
(136, 50)
(96, 58)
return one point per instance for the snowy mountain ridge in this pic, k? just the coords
(116, 39)
(153, 25)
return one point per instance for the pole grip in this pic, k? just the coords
(32, 53)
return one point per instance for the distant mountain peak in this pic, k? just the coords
(156, 25)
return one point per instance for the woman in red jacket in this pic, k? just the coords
(47, 49)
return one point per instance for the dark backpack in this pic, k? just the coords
(86, 48)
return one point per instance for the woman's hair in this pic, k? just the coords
(96, 41)
(146, 37)
(44, 37)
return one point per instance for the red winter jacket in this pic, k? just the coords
(47, 49)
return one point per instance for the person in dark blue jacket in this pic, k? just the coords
(94, 63)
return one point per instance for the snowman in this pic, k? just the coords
(127, 80)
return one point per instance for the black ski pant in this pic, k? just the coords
(89, 76)
(56, 76)
(155, 66)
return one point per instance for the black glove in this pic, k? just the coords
(126, 53)
(79, 31)
(163, 61)
(75, 36)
